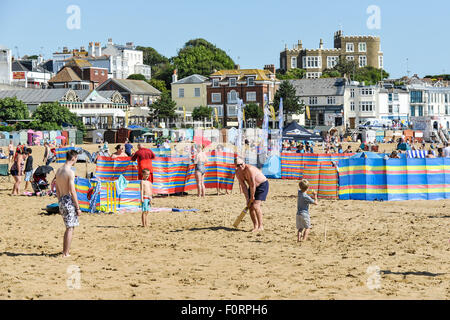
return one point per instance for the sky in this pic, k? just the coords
(414, 34)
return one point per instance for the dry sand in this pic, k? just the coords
(201, 256)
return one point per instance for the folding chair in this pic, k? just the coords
(4, 172)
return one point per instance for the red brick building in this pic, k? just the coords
(225, 87)
(79, 74)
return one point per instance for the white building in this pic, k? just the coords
(5, 65)
(429, 106)
(363, 103)
(30, 73)
(125, 60)
(60, 59)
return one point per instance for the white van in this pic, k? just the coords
(376, 123)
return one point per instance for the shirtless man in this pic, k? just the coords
(255, 187)
(11, 151)
(67, 198)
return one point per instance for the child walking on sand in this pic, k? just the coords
(303, 219)
(146, 195)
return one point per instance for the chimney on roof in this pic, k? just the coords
(65, 50)
(321, 44)
(91, 50)
(110, 42)
(300, 44)
(270, 67)
(174, 76)
(98, 49)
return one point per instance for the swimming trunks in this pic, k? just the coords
(261, 191)
(68, 211)
(146, 206)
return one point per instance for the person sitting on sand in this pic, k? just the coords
(120, 153)
(303, 220)
(69, 207)
(394, 155)
(146, 196)
(256, 184)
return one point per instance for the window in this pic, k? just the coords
(313, 75)
(215, 83)
(232, 110)
(362, 47)
(390, 108)
(350, 58)
(390, 97)
(250, 81)
(396, 96)
(313, 62)
(362, 61)
(331, 100)
(420, 111)
(96, 72)
(196, 92)
(103, 73)
(352, 106)
(219, 110)
(293, 62)
(251, 96)
(350, 47)
(366, 106)
(216, 97)
(232, 97)
(352, 93)
(180, 92)
(430, 110)
(416, 97)
(232, 82)
(312, 100)
(366, 91)
(332, 62)
(380, 62)
(413, 111)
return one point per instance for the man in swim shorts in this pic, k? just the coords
(69, 207)
(256, 184)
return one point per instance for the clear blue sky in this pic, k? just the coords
(253, 32)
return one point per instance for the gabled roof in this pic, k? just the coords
(193, 79)
(319, 87)
(66, 74)
(132, 86)
(18, 66)
(261, 75)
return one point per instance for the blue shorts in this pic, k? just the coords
(146, 206)
(261, 191)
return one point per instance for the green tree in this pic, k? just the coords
(137, 76)
(158, 84)
(164, 108)
(53, 115)
(13, 109)
(153, 58)
(253, 111)
(369, 75)
(202, 113)
(294, 73)
(201, 57)
(291, 102)
(331, 74)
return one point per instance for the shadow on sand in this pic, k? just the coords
(13, 254)
(211, 229)
(413, 273)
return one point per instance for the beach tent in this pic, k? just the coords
(272, 168)
(296, 132)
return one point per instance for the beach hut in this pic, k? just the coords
(123, 134)
(110, 136)
(52, 135)
(37, 138)
(15, 137)
(4, 139)
(79, 137)
(72, 136)
(65, 134)
(23, 137)
(46, 136)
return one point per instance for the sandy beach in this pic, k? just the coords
(199, 255)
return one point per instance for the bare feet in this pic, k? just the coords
(65, 255)
(255, 230)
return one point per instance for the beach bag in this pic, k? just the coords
(52, 208)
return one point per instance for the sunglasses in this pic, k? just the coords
(239, 164)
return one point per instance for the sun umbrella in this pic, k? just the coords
(43, 170)
(99, 134)
(30, 131)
